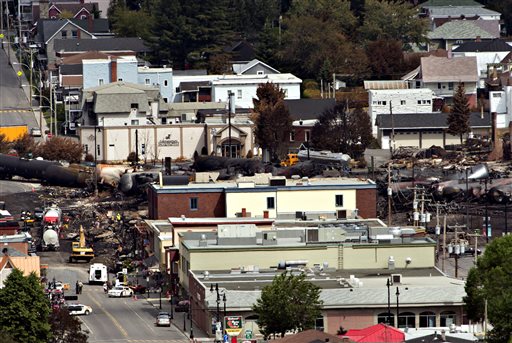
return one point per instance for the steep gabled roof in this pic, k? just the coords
(460, 29)
(48, 28)
(442, 69)
(376, 333)
(254, 63)
(495, 45)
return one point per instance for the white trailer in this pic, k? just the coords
(98, 273)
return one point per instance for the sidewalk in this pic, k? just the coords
(180, 319)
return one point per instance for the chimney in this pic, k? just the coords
(113, 70)
(478, 39)
(244, 212)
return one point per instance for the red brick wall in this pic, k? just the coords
(366, 202)
(163, 206)
(21, 247)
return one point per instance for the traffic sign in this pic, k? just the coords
(233, 325)
(19, 73)
(2, 36)
(248, 334)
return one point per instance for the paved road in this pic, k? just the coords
(13, 187)
(14, 106)
(123, 320)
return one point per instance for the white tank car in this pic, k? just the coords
(50, 240)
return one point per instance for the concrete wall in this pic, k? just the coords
(376, 256)
(158, 76)
(248, 92)
(126, 70)
(254, 203)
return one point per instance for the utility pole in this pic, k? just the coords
(444, 243)
(392, 127)
(456, 242)
(334, 86)
(476, 235)
(390, 194)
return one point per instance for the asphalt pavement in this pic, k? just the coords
(14, 105)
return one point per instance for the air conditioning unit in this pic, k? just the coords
(396, 279)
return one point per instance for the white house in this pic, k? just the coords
(385, 97)
(500, 102)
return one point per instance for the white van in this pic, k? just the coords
(98, 273)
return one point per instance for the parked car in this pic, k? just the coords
(120, 291)
(79, 309)
(163, 319)
(182, 306)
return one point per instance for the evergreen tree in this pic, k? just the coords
(458, 118)
(289, 303)
(272, 119)
(25, 309)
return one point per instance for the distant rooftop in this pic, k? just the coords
(340, 289)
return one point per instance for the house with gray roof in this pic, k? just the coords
(454, 33)
(442, 75)
(422, 130)
(50, 30)
(117, 46)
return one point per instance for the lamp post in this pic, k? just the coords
(215, 287)
(190, 313)
(53, 113)
(397, 308)
(388, 284)
(160, 297)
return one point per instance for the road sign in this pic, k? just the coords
(19, 73)
(125, 271)
(233, 325)
(226, 338)
(248, 334)
(2, 36)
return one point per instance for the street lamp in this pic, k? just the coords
(388, 284)
(53, 113)
(397, 308)
(215, 287)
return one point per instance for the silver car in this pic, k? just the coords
(163, 319)
(120, 291)
(79, 309)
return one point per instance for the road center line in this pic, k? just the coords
(116, 323)
(144, 321)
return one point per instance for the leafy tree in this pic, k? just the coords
(491, 280)
(289, 303)
(343, 130)
(250, 16)
(24, 145)
(272, 119)
(392, 20)
(5, 145)
(386, 59)
(6, 338)
(95, 11)
(60, 149)
(25, 309)
(66, 328)
(129, 23)
(458, 118)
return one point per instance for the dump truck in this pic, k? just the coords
(79, 250)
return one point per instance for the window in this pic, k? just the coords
(86, 148)
(134, 105)
(450, 86)
(319, 324)
(418, 84)
(496, 95)
(147, 81)
(271, 203)
(402, 102)
(292, 136)
(120, 79)
(447, 318)
(83, 16)
(229, 92)
(166, 83)
(166, 100)
(260, 72)
(193, 204)
(439, 85)
(74, 34)
(339, 200)
(64, 34)
(98, 150)
(385, 317)
(407, 320)
(100, 82)
(419, 102)
(383, 103)
(427, 319)
(429, 102)
(239, 94)
(135, 122)
(164, 120)
(307, 135)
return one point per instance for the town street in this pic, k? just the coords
(113, 319)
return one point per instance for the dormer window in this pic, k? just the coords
(260, 72)
(134, 106)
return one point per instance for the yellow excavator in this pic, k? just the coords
(79, 250)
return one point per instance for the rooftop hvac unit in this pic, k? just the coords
(396, 279)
